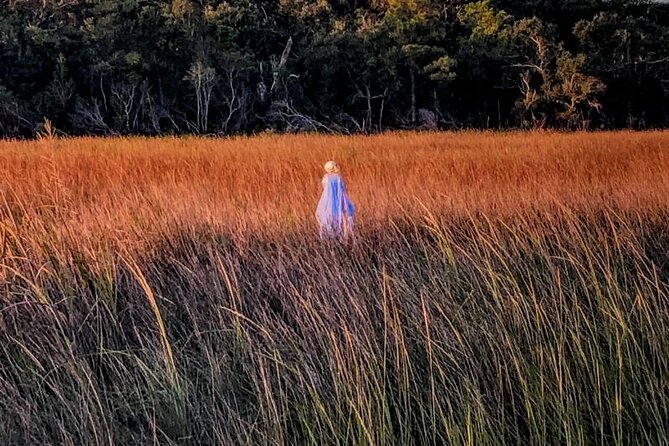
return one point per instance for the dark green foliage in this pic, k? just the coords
(241, 66)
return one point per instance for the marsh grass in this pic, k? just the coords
(503, 289)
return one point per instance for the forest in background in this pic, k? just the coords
(155, 67)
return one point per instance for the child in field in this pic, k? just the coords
(335, 210)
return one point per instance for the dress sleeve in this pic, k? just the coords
(349, 206)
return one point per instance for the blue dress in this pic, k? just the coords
(335, 212)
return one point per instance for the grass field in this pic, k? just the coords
(503, 289)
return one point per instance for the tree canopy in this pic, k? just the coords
(240, 66)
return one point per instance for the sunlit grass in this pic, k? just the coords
(503, 289)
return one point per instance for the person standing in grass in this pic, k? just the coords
(335, 211)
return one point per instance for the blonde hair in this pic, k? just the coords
(332, 167)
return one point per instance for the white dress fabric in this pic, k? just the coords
(335, 212)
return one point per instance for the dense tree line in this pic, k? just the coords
(222, 67)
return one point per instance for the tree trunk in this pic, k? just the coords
(413, 96)
(631, 67)
(383, 104)
(368, 121)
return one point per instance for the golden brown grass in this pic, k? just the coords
(503, 289)
(130, 189)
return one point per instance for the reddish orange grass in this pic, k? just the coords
(128, 190)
